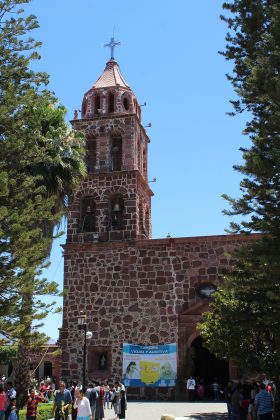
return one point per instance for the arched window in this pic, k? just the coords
(126, 103)
(117, 210)
(141, 219)
(116, 154)
(137, 109)
(97, 104)
(144, 163)
(139, 155)
(111, 102)
(84, 107)
(91, 154)
(147, 221)
(87, 214)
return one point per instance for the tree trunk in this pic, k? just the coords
(22, 367)
(22, 373)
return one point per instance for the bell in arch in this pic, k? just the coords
(116, 207)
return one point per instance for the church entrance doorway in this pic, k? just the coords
(207, 367)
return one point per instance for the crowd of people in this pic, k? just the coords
(245, 400)
(83, 404)
(252, 401)
(198, 391)
(94, 399)
(8, 410)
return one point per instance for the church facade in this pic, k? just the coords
(132, 288)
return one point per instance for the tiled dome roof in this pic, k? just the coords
(111, 77)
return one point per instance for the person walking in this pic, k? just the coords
(62, 400)
(200, 390)
(100, 389)
(116, 400)
(264, 403)
(236, 403)
(83, 407)
(122, 404)
(191, 388)
(74, 390)
(3, 402)
(13, 411)
(32, 404)
(11, 396)
(107, 397)
(215, 389)
(228, 394)
(91, 395)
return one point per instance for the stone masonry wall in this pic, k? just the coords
(134, 292)
(47, 353)
(132, 133)
(101, 188)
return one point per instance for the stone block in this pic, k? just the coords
(168, 417)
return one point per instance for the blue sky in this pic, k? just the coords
(169, 56)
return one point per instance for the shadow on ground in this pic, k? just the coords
(208, 416)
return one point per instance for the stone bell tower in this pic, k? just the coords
(114, 201)
(110, 212)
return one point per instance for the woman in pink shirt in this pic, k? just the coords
(3, 402)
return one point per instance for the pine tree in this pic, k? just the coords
(244, 321)
(41, 162)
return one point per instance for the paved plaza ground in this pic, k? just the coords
(182, 411)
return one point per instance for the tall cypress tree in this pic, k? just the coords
(41, 162)
(244, 320)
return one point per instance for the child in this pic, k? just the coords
(13, 414)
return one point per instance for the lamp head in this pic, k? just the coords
(82, 318)
(89, 335)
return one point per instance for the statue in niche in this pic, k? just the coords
(103, 361)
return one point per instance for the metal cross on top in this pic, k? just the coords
(112, 45)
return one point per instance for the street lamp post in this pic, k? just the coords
(82, 324)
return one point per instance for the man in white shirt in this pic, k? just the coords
(191, 388)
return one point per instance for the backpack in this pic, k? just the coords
(102, 393)
(92, 398)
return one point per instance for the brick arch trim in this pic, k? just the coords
(115, 191)
(117, 195)
(111, 90)
(197, 308)
(116, 131)
(192, 337)
(81, 194)
(90, 133)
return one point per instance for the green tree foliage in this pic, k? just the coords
(41, 163)
(244, 321)
(7, 354)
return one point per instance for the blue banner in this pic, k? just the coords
(154, 366)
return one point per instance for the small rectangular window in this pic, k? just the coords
(111, 102)
(116, 154)
(91, 155)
